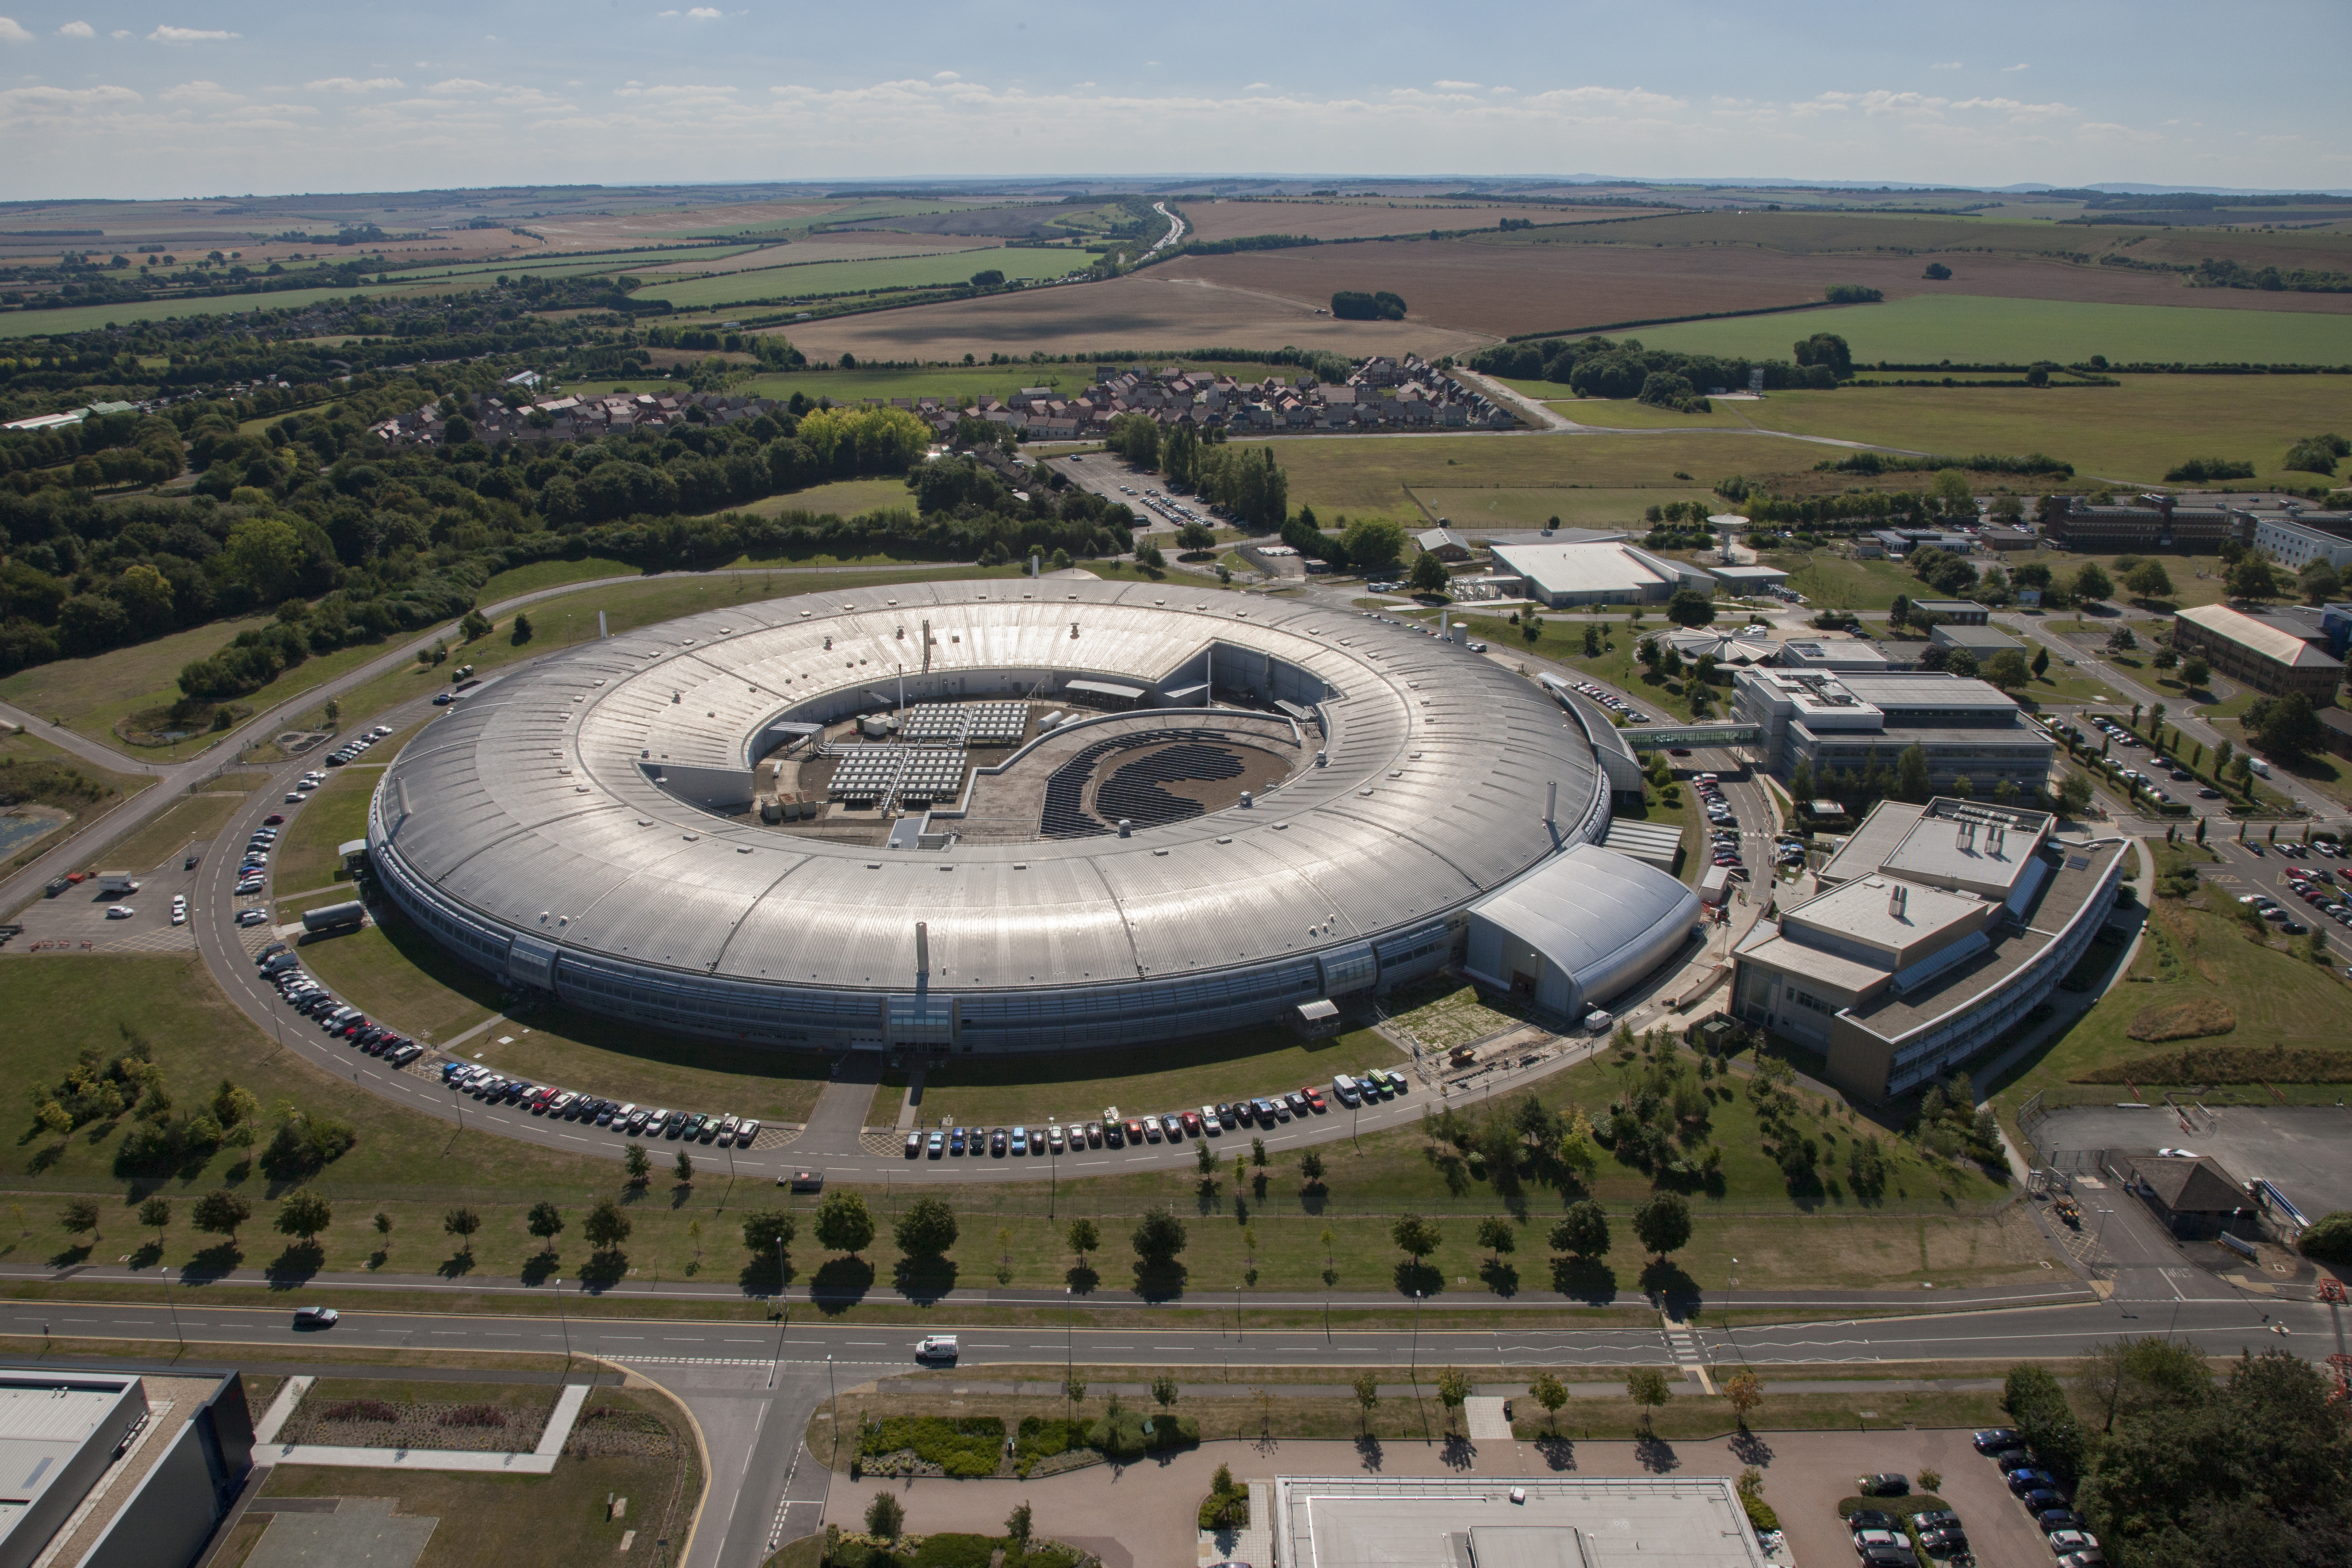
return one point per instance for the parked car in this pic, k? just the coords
(1863, 1519)
(1887, 1483)
(914, 1144)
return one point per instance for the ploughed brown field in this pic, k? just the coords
(1156, 310)
(1365, 218)
(1501, 288)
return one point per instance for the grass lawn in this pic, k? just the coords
(1562, 642)
(1583, 508)
(1368, 474)
(551, 574)
(1073, 1086)
(1626, 414)
(166, 838)
(335, 813)
(842, 498)
(2133, 432)
(395, 973)
(2187, 954)
(521, 1521)
(1980, 328)
(91, 694)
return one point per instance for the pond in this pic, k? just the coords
(18, 830)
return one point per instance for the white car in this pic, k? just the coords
(251, 917)
(180, 917)
(293, 799)
(120, 912)
(936, 1347)
(2176, 1154)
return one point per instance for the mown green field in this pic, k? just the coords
(91, 694)
(1976, 329)
(2133, 433)
(805, 279)
(1368, 474)
(1472, 507)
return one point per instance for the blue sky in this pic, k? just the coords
(230, 97)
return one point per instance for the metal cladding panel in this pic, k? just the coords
(500, 827)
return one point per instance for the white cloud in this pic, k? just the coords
(200, 94)
(353, 84)
(698, 14)
(76, 30)
(2021, 66)
(946, 76)
(120, 33)
(169, 35)
(459, 84)
(1254, 87)
(13, 32)
(35, 105)
(1457, 86)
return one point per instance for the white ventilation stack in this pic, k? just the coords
(1897, 899)
(922, 947)
(601, 632)
(1551, 803)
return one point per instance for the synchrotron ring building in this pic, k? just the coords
(590, 827)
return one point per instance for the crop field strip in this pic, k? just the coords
(806, 279)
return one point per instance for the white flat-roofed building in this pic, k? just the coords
(1748, 580)
(1837, 655)
(1598, 572)
(58, 1431)
(1939, 927)
(1489, 1521)
(2294, 544)
(1964, 728)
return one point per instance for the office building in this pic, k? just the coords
(1598, 572)
(1938, 928)
(2267, 652)
(1964, 727)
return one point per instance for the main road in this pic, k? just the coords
(754, 1385)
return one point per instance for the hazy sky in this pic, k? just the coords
(231, 97)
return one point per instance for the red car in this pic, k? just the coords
(1134, 1132)
(273, 819)
(1192, 1123)
(1313, 1096)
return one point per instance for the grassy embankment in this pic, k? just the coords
(1928, 1222)
(47, 775)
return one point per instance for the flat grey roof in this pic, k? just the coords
(1471, 1521)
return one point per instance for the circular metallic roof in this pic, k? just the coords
(533, 805)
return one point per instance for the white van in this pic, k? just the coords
(1345, 1087)
(2260, 768)
(936, 1347)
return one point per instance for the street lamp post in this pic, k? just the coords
(565, 1318)
(836, 1389)
(1414, 1369)
(783, 1316)
(174, 1307)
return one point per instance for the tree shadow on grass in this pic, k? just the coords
(43, 1158)
(69, 1257)
(456, 1265)
(150, 1254)
(1502, 1278)
(1418, 1277)
(925, 1281)
(539, 1267)
(297, 1266)
(1665, 1283)
(212, 1263)
(1160, 1282)
(1586, 1280)
(1082, 1280)
(840, 1283)
(603, 1269)
(761, 1276)
(1558, 1453)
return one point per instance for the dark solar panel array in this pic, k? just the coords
(1063, 817)
(1134, 792)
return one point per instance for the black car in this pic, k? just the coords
(1936, 1518)
(2011, 1460)
(1889, 1557)
(996, 1142)
(1949, 1542)
(2057, 1519)
(2041, 1500)
(1885, 1484)
(1872, 1519)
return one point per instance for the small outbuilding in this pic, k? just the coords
(2190, 1194)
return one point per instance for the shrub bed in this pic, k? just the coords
(959, 1446)
(2228, 1064)
(1122, 1436)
